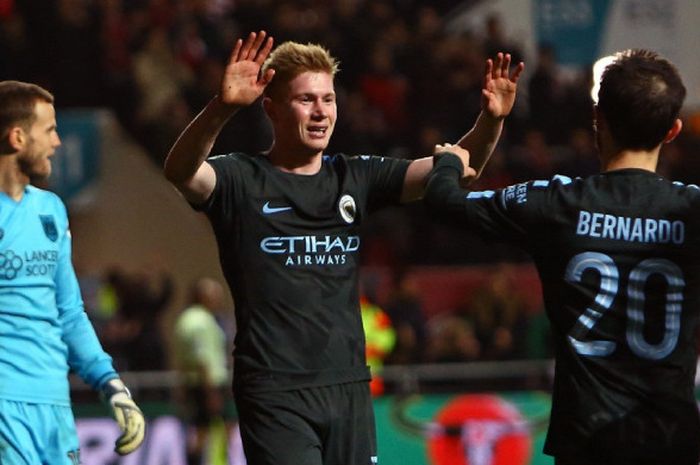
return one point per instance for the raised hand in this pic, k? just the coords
(498, 92)
(242, 83)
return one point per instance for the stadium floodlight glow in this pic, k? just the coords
(598, 68)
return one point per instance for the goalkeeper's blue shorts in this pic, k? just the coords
(37, 433)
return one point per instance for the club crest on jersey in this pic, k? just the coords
(49, 225)
(347, 208)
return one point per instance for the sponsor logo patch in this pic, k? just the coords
(49, 225)
(267, 209)
(347, 208)
(10, 264)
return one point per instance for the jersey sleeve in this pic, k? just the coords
(385, 178)
(85, 354)
(223, 199)
(503, 214)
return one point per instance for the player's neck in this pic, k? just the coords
(12, 180)
(296, 163)
(638, 159)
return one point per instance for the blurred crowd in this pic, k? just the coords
(408, 81)
(492, 321)
(127, 310)
(134, 318)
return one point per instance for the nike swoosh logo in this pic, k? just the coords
(267, 209)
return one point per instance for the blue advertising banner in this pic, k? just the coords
(582, 31)
(76, 162)
(573, 27)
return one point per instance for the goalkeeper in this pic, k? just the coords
(44, 331)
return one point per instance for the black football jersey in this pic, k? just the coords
(289, 249)
(618, 256)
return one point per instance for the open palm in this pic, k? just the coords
(498, 93)
(242, 83)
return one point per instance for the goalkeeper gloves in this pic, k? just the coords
(128, 416)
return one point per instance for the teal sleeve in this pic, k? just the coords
(85, 354)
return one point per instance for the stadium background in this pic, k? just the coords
(129, 74)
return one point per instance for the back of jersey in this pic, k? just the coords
(619, 258)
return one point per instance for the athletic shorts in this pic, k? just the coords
(32, 434)
(325, 425)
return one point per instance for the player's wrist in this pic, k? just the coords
(448, 159)
(113, 387)
(493, 119)
(222, 110)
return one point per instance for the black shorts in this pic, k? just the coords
(326, 425)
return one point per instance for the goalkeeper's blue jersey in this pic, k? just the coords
(44, 331)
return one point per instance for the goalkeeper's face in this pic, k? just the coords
(40, 143)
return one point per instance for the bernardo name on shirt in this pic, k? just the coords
(624, 228)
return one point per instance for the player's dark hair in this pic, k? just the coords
(17, 101)
(640, 97)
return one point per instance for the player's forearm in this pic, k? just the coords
(85, 354)
(443, 195)
(196, 141)
(481, 140)
(416, 176)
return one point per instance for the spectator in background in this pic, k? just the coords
(451, 339)
(458, 60)
(534, 158)
(161, 79)
(380, 338)
(201, 358)
(15, 55)
(133, 333)
(363, 128)
(495, 39)
(581, 159)
(405, 311)
(547, 94)
(496, 313)
(75, 64)
(578, 104)
(147, 298)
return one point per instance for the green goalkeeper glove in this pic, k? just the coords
(128, 416)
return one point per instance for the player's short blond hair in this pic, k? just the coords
(291, 59)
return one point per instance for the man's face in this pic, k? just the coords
(42, 141)
(305, 117)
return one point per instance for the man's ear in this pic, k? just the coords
(268, 107)
(599, 123)
(17, 138)
(673, 132)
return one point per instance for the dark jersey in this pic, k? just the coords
(618, 255)
(289, 249)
